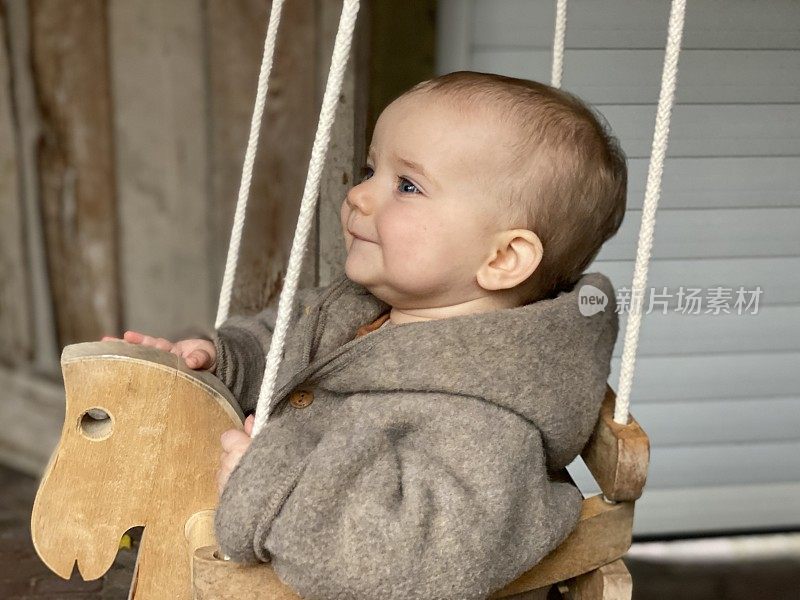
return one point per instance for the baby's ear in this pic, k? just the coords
(517, 254)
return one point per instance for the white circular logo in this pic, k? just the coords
(591, 300)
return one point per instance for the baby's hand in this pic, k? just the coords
(197, 354)
(234, 444)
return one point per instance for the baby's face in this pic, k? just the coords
(424, 209)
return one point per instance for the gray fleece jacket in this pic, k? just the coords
(420, 468)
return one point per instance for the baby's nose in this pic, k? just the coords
(359, 197)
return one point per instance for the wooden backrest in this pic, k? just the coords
(617, 455)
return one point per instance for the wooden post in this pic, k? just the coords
(45, 351)
(16, 330)
(71, 73)
(160, 125)
(235, 32)
(393, 22)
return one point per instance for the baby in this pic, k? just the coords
(428, 397)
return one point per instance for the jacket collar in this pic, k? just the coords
(546, 362)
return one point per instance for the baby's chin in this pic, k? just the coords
(358, 276)
(372, 284)
(405, 288)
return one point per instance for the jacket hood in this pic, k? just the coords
(548, 361)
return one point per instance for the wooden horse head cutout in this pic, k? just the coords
(150, 460)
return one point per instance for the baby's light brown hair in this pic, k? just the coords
(566, 181)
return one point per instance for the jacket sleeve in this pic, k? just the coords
(427, 496)
(242, 343)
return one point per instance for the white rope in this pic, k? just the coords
(333, 88)
(223, 308)
(652, 192)
(558, 43)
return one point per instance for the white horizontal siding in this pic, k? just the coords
(717, 393)
(709, 509)
(706, 508)
(725, 464)
(772, 329)
(634, 76)
(719, 421)
(636, 23)
(713, 182)
(700, 465)
(712, 233)
(701, 509)
(672, 378)
(699, 130)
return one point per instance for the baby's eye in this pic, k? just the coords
(404, 184)
(366, 172)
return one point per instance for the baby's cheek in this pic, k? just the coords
(415, 251)
(405, 240)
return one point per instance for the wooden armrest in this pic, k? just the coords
(617, 455)
(602, 535)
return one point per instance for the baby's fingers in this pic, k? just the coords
(198, 359)
(234, 439)
(248, 425)
(230, 460)
(135, 337)
(222, 479)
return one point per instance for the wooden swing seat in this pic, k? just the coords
(167, 420)
(587, 563)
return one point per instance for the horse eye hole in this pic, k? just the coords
(95, 424)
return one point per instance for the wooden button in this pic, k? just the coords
(301, 398)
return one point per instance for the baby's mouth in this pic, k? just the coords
(356, 237)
